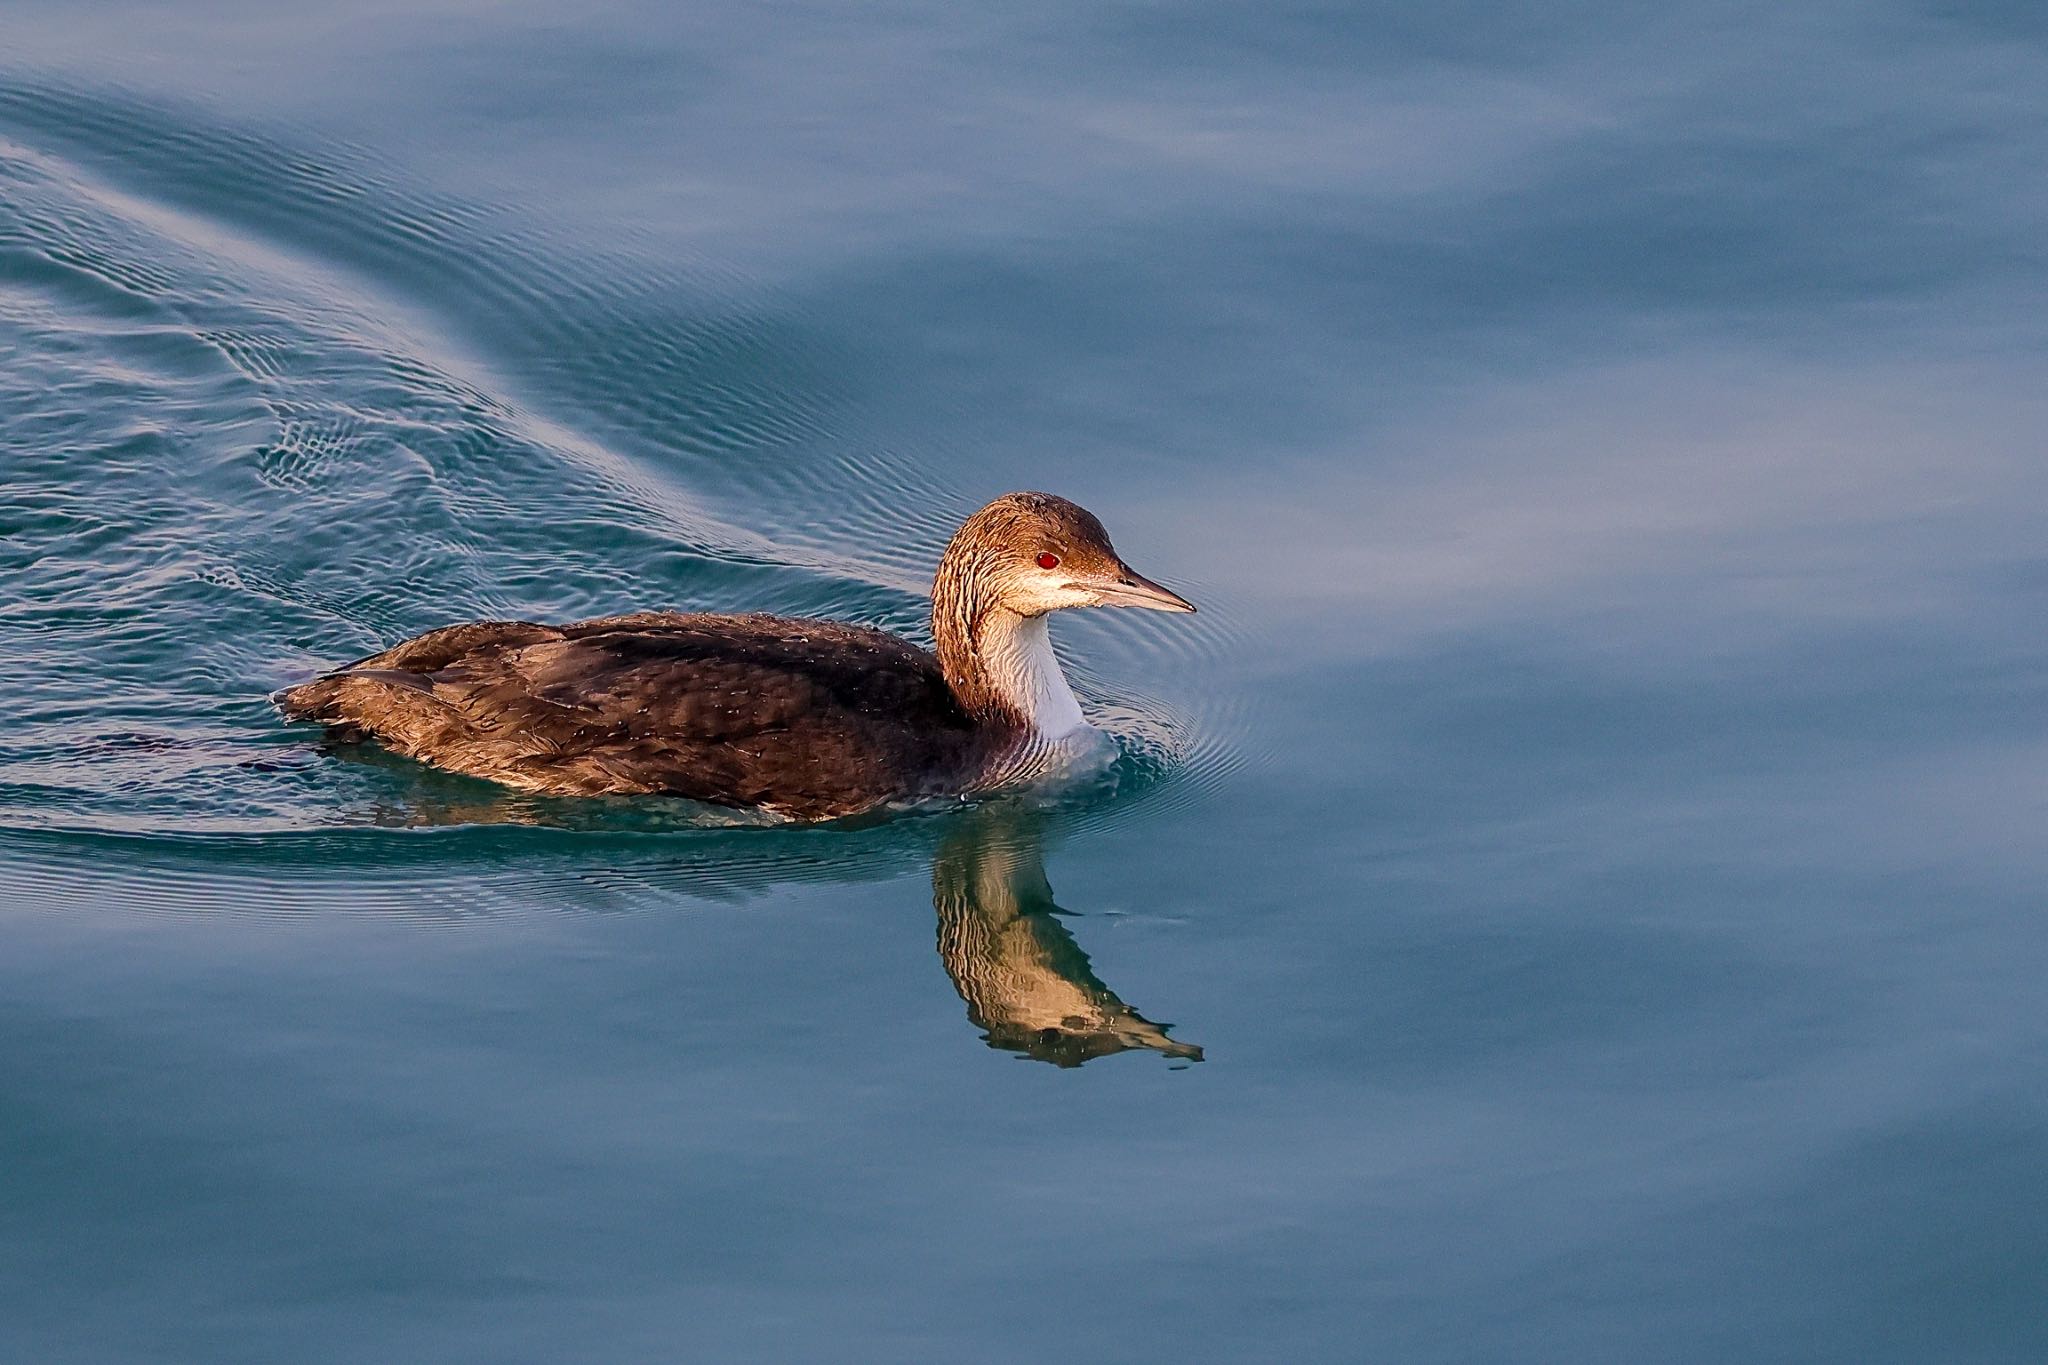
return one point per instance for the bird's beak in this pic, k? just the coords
(1132, 589)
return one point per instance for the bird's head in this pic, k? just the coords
(1032, 553)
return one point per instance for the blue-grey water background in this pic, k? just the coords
(1593, 829)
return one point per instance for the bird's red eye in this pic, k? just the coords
(1048, 560)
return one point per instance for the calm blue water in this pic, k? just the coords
(1592, 835)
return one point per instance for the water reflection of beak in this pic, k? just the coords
(1027, 983)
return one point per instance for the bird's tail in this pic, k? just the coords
(315, 700)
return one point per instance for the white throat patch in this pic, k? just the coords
(1021, 663)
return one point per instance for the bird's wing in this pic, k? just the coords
(808, 717)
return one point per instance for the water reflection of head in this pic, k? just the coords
(1026, 981)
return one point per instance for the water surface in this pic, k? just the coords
(1573, 893)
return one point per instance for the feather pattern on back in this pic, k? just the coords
(810, 719)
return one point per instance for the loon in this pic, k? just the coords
(800, 719)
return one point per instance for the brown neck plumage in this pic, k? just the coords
(989, 621)
(966, 622)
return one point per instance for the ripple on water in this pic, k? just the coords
(270, 408)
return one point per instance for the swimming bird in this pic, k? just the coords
(802, 719)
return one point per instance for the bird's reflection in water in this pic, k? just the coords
(1026, 982)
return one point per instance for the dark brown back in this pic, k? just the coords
(811, 719)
